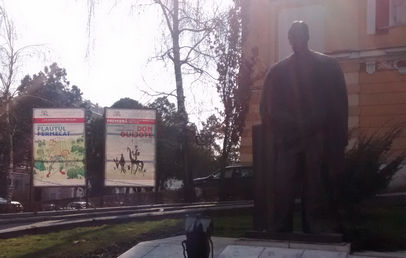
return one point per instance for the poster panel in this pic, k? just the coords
(130, 147)
(59, 147)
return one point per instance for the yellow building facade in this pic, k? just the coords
(368, 37)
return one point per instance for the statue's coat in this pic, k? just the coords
(304, 107)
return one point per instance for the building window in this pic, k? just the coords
(383, 14)
(397, 12)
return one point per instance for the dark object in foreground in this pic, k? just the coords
(198, 237)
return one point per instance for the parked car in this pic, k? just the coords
(16, 207)
(3, 205)
(48, 207)
(12, 206)
(238, 181)
(78, 205)
(3, 201)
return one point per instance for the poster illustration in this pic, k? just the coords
(59, 147)
(130, 147)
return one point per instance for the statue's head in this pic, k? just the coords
(299, 36)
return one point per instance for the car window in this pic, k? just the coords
(246, 172)
(242, 173)
(228, 173)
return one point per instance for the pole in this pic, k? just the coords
(86, 191)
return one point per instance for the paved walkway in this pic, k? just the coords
(246, 248)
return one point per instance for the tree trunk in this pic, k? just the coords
(10, 168)
(224, 157)
(187, 180)
(176, 62)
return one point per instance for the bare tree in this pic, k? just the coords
(10, 62)
(188, 30)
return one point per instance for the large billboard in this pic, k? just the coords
(130, 147)
(59, 147)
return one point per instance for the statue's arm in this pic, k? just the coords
(340, 102)
(264, 109)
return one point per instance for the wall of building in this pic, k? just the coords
(382, 102)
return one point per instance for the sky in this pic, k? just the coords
(115, 61)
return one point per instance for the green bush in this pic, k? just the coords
(370, 166)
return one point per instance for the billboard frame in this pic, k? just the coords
(85, 185)
(155, 184)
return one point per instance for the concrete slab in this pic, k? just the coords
(245, 248)
(323, 254)
(223, 247)
(241, 251)
(275, 252)
(220, 243)
(262, 242)
(336, 247)
(140, 250)
(165, 250)
(360, 256)
(171, 247)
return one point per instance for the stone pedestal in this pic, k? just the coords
(263, 178)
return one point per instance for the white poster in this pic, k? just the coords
(59, 147)
(130, 147)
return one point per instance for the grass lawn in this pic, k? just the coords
(232, 226)
(113, 240)
(106, 240)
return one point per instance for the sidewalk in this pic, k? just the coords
(246, 248)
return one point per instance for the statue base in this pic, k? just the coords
(297, 237)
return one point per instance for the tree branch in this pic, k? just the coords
(166, 12)
(158, 93)
(192, 30)
(193, 48)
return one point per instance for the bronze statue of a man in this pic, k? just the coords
(304, 107)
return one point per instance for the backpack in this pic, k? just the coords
(198, 241)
